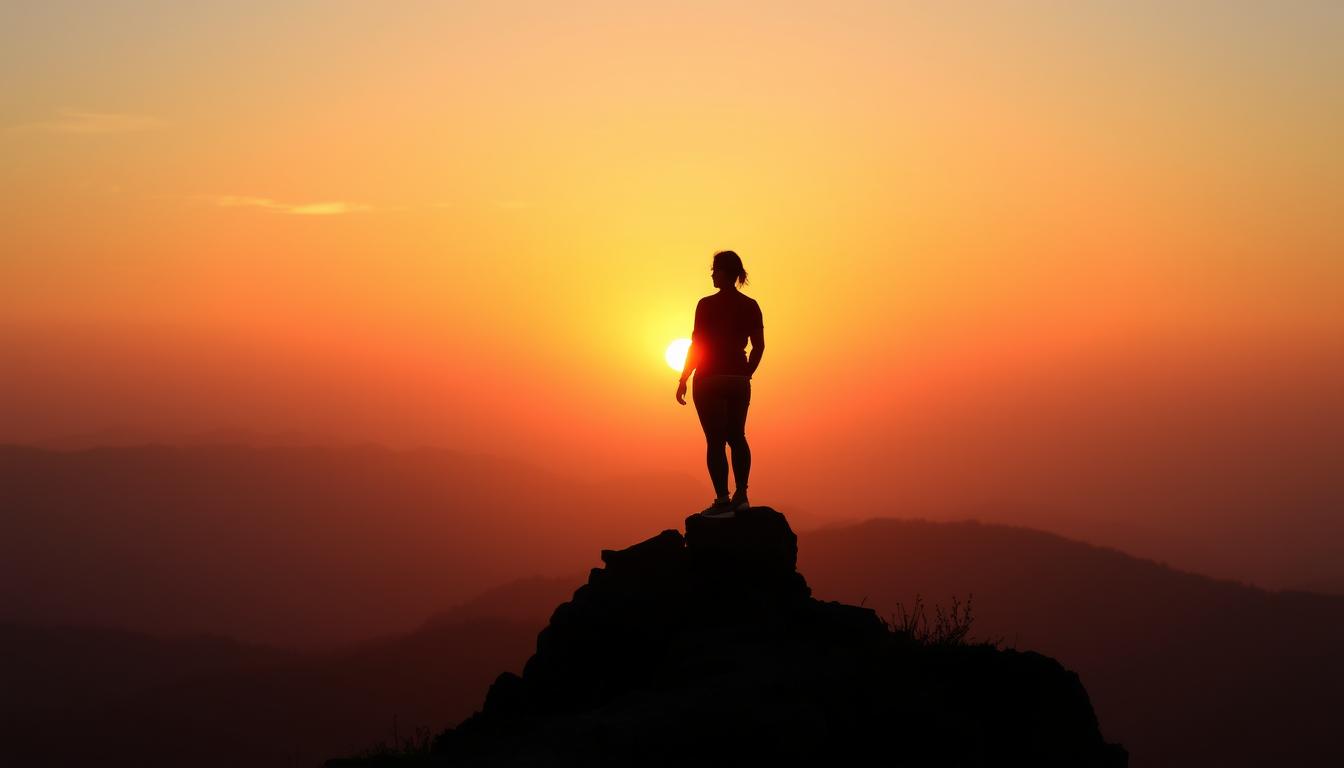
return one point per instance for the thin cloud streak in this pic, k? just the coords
(73, 122)
(328, 208)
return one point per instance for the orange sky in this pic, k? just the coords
(479, 226)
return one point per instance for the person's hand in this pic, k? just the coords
(681, 392)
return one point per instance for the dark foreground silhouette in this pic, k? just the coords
(709, 647)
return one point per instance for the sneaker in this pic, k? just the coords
(739, 502)
(721, 508)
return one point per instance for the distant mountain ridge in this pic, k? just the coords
(58, 669)
(191, 539)
(125, 436)
(1183, 669)
(307, 546)
(280, 708)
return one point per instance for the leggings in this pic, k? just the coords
(721, 403)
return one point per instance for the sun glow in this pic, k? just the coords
(676, 353)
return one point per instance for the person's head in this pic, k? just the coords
(727, 269)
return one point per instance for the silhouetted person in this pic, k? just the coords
(723, 324)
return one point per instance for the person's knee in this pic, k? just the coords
(737, 442)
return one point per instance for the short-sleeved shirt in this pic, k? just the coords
(723, 323)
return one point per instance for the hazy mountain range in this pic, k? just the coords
(312, 546)
(333, 557)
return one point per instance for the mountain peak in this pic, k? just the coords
(710, 646)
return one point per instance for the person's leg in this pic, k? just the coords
(736, 401)
(713, 412)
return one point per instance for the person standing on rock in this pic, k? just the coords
(724, 322)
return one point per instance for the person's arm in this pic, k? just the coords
(686, 371)
(757, 345)
(757, 351)
(692, 358)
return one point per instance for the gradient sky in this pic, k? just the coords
(976, 230)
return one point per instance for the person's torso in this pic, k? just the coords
(725, 321)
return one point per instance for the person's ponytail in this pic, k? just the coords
(729, 261)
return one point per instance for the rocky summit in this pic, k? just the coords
(708, 648)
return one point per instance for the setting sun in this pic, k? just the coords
(334, 408)
(676, 353)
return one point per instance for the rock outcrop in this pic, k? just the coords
(709, 648)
